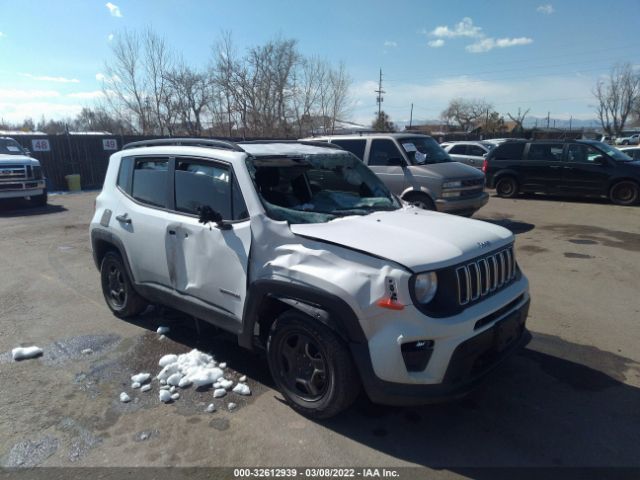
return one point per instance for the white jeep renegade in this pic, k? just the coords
(299, 249)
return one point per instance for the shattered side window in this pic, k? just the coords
(316, 188)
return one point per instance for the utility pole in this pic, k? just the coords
(570, 121)
(548, 114)
(411, 117)
(379, 91)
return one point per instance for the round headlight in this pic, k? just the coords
(425, 287)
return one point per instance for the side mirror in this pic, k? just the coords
(395, 162)
(208, 214)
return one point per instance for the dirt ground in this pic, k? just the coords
(571, 398)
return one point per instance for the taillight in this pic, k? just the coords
(484, 166)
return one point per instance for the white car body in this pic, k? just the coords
(352, 261)
(470, 153)
(629, 140)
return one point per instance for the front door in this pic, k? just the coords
(209, 261)
(388, 163)
(587, 170)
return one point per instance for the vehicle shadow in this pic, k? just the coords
(561, 198)
(555, 404)
(21, 208)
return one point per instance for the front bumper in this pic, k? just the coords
(466, 206)
(22, 188)
(470, 363)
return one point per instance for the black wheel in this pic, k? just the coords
(625, 142)
(420, 200)
(118, 292)
(507, 187)
(625, 192)
(39, 200)
(311, 366)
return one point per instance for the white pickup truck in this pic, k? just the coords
(20, 175)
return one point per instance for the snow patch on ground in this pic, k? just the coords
(124, 398)
(23, 353)
(242, 389)
(163, 330)
(140, 378)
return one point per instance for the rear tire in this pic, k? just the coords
(420, 200)
(311, 366)
(117, 288)
(507, 187)
(626, 192)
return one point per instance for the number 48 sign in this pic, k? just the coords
(109, 144)
(40, 145)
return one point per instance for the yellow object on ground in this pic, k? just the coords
(73, 182)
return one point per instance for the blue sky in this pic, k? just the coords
(541, 55)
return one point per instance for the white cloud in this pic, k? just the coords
(487, 44)
(110, 37)
(464, 28)
(46, 78)
(114, 10)
(436, 43)
(547, 9)
(390, 43)
(101, 77)
(86, 95)
(18, 94)
(17, 112)
(2, 34)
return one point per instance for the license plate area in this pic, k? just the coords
(507, 331)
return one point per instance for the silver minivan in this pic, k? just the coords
(418, 170)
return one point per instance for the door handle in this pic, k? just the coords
(172, 232)
(124, 218)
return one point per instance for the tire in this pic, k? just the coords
(311, 366)
(507, 187)
(40, 200)
(117, 288)
(625, 142)
(625, 192)
(420, 200)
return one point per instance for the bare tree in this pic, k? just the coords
(617, 96)
(157, 65)
(193, 91)
(125, 84)
(466, 112)
(383, 123)
(519, 119)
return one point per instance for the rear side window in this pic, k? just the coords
(458, 149)
(124, 174)
(149, 183)
(475, 151)
(382, 151)
(199, 184)
(550, 152)
(509, 151)
(354, 146)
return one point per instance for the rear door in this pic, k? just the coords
(207, 262)
(542, 170)
(355, 146)
(587, 170)
(386, 160)
(475, 155)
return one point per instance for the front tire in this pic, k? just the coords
(117, 288)
(311, 366)
(507, 187)
(420, 200)
(40, 200)
(625, 193)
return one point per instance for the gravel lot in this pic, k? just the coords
(570, 399)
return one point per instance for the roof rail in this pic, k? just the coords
(186, 142)
(313, 143)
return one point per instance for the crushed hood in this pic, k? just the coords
(418, 239)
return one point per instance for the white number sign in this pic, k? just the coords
(40, 145)
(109, 144)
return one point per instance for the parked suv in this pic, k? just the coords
(418, 170)
(299, 249)
(629, 140)
(470, 153)
(20, 175)
(576, 167)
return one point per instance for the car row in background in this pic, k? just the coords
(570, 167)
(471, 153)
(417, 169)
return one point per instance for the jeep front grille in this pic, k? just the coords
(485, 275)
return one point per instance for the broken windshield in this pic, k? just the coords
(317, 188)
